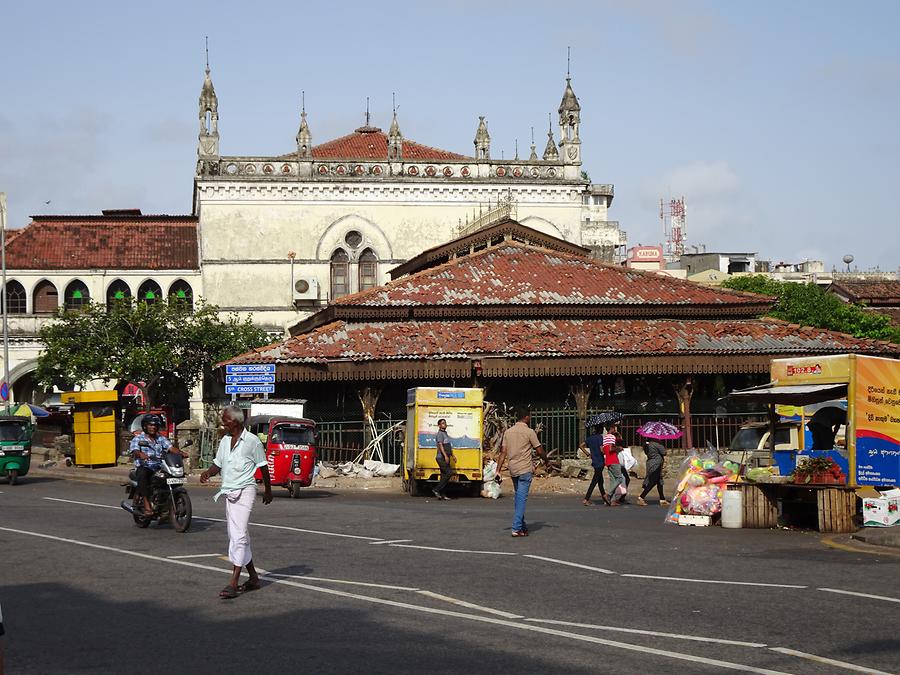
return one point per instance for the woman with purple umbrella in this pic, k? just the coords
(656, 458)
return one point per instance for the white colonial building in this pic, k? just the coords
(281, 236)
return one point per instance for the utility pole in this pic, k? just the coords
(4, 300)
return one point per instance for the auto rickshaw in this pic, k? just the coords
(15, 446)
(290, 444)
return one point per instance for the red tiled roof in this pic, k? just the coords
(104, 242)
(559, 338)
(373, 144)
(893, 313)
(875, 292)
(514, 273)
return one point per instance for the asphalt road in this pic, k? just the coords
(383, 582)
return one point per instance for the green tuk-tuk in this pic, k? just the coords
(15, 446)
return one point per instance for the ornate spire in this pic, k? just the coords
(304, 137)
(550, 152)
(395, 138)
(533, 157)
(208, 145)
(482, 140)
(569, 121)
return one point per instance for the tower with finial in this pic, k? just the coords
(569, 121)
(208, 145)
(304, 137)
(482, 141)
(395, 138)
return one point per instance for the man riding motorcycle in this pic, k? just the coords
(148, 457)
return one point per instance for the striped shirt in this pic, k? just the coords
(609, 449)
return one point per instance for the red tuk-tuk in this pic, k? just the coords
(290, 444)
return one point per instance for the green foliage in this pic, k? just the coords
(165, 345)
(810, 305)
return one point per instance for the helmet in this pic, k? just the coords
(151, 419)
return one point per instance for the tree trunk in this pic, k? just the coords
(368, 398)
(684, 390)
(581, 392)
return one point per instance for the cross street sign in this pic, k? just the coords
(248, 368)
(249, 388)
(250, 379)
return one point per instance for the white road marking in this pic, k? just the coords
(197, 555)
(712, 581)
(636, 631)
(470, 605)
(386, 541)
(830, 662)
(570, 564)
(72, 501)
(716, 663)
(296, 529)
(337, 581)
(861, 595)
(453, 550)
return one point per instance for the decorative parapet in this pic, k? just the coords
(269, 168)
(504, 210)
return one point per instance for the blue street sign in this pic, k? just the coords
(247, 368)
(249, 388)
(4, 392)
(250, 379)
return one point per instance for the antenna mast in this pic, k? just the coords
(674, 221)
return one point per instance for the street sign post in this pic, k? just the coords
(250, 378)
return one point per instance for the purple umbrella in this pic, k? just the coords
(659, 430)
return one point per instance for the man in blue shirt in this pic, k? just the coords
(593, 445)
(148, 457)
(443, 455)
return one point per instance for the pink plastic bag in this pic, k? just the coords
(621, 490)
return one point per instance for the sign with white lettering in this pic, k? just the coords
(248, 368)
(249, 388)
(250, 379)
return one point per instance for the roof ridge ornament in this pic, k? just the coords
(550, 152)
(208, 139)
(304, 136)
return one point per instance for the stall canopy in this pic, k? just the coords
(792, 394)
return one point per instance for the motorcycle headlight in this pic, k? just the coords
(26, 452)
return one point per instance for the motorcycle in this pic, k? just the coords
(168, 496)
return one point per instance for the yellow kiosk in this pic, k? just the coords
(462, 408)
(95, 426)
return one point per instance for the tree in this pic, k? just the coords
(810, 305)
(158, 346)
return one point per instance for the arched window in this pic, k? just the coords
(117, 291)
(368, 270)
(15, 297)
(45, 298)
(149, 292)
(180, 291)
(340, 274)
(77, 296)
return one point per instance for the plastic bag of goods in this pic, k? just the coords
(701, 486)
(381, 469)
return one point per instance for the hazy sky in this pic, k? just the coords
(779, 121)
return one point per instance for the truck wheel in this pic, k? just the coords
(12, 476)
(475, 488)
(415, 489)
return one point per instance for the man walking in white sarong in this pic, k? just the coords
(239, 455)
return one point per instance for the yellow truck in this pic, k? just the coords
(867, 387)
(462, 408)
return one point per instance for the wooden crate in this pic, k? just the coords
(836, 508)
(760, 506)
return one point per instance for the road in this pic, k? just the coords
(387, 583)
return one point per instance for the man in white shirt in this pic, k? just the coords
(239, 455)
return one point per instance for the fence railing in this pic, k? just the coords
(343, 440)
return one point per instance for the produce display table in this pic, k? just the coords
(827, 508)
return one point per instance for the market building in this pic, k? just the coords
(533, 318)
(327, 220)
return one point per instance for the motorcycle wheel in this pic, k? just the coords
(12, 476)
(180, 515)
(294, 489)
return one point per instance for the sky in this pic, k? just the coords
(778, 122)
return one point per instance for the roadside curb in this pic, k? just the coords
(878, 537)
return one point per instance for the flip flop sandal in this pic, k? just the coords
(248, 586)
(228, 593)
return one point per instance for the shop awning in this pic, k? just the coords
(792, 394)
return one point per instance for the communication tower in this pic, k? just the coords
(673, 217)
